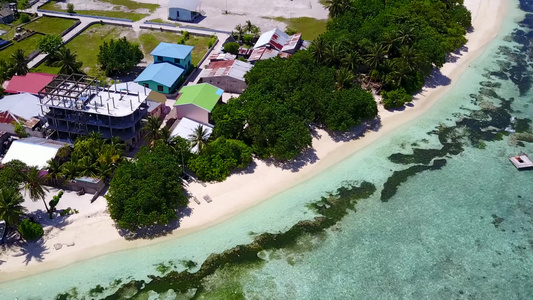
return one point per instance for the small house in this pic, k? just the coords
(176, 54)
(22, 108)
(171, 63)
(31, 83)
(161, 77)
(196, 102)
(227, 75)
(187, 127)
(33, 151)
(183, 10)
(6, 16)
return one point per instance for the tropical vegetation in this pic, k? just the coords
(30, 230)
(389, 47)
(118, 57)
(147, 190)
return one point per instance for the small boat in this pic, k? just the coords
(521, 161)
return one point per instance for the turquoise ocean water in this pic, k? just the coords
(450, 217)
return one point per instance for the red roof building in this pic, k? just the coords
(30, 83)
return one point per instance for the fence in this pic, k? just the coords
(74, 15)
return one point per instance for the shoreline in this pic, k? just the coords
(243, 191)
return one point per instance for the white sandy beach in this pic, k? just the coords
(93, 233)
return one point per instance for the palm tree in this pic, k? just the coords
(20, 63)
(5, 70)
(104, 170)
(376, 56)
(199, 138)
(69, 170)
(318, 49)
(11, 206)
(151, 128)
(333, 54)
(164, 133)
(249, 26)
(34, 184)
(67, 60)
(351, 61)
(406, 36)
(337, 7)
(344, 78)
(239, 32)
(54, 170)
(87, 167)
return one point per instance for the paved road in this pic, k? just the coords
(87, 21)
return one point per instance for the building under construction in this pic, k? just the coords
(75, 105)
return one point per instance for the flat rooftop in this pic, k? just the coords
(83, 93)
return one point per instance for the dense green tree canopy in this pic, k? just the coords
(283, 97)
(215, 162)
(119, 56)
(50, 44)
(147, 190)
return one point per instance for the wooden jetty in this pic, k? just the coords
(521, 161)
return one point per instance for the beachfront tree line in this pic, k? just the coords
(90, 156)
(387, 46)
(16, 178)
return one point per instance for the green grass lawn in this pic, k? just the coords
(133, 5)
(50, 25)
(87, 45)
(149, 39)
(52, 5)
(309, 27)
(28, 45)
(159, 20)
(10, 28)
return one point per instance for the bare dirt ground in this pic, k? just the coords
(239, 11)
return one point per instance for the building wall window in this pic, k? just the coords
(160, 88)
(177, 60)
(159, 58)
(177, 14)
(146, 85)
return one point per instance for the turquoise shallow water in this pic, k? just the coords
(461, 231)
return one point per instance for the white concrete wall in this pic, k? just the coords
(193, 112)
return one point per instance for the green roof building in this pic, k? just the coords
(196, 102)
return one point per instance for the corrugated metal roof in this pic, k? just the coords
(232, 68)
(192, 5)
(32, 151)
(164, 73)
(172, 50)
(275, 37)
(31, 83)
(221, 56)
(202, 95)
(292, 43)
(22, 105)
(262, 53)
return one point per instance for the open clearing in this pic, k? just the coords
(108, 9)
(28, 45)
(50, 25)
(309, 28)
(87, 45)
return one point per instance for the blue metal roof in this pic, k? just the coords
(163, 73)
(172, 50)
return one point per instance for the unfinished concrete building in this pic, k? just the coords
(76, 105)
